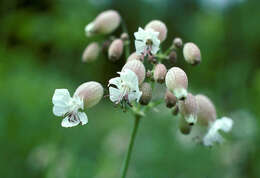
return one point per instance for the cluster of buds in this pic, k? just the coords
(144, 68)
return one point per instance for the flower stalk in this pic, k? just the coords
(130, 146)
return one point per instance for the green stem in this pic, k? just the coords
(127, 42)
(130, 146)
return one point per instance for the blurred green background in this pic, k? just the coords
(41, 43)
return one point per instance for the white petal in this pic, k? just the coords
(134, 96)
(129, 78)
(140, 34)
(224, 124)
(140, 47)
(83, 118)
(67, 123)
(115, 94)
(61, 100)
(115, 81)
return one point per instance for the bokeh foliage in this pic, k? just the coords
(41, 43)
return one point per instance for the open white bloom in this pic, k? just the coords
(224, 124)
(67, 106)
(124, 87)
(146, 41)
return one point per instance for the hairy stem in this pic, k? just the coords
(130, 146)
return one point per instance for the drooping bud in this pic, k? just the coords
(160, 27)
(189, 109)
(138, 68)
(177, 82)
(91, 52)
(170, 99)
(184, 126)
(159, 73)
(91, 92)
(146, 90)
(173, 57)
(124, 36)
(175, 110)
(206, 110)
(105, 23)
(134, 56)
(115, 50)
(177, 42)
(191, 53)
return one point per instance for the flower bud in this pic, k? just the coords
(173, 57)
(206, 110)
(184, 126)
(134, 56)
(115, 50)
(105, 23)
(170, 99)
(191, 53)
(91, 52)
(189, 109)
(91, 92)
(146, 90)
(160, 27)
(124, 36)
(177, 82)
(177, 42)
(159, 73)
(138, 68)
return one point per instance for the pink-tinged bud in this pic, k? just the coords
(160, 27)
(115, 50)
(189, 109)
(91, 92)
(173, 57)
(105, 23)
(184, 126)
(170, 99)
(138, 68)
(124, 36)
(177, 82)
(177, 42)
(146, 90)
(191, 53)
(134, 56)
(159, 73)
(206, 110)
(91, 52)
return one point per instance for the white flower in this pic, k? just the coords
(224, 124)
(146, 41)
(126, 87)
(67, 106)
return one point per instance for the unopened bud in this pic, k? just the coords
(184, 126)
(177, 42)
(124, 36)
(91, 92)
(191, 53)
(152, 59)
(173, 57)
(160, 27)
(170, 99)
(189, 109)
(206, 110)
(134, 56)
(138, 68)
(91, 52)
(149, 74)
(105, 23)
(177, 82)
(146, 90)
(159, 73)
(115, 50)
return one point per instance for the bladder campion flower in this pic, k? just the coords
(65, 105)
(224, 124)
(146, 42)
(124, 87)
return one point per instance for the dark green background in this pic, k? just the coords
(41, 44)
